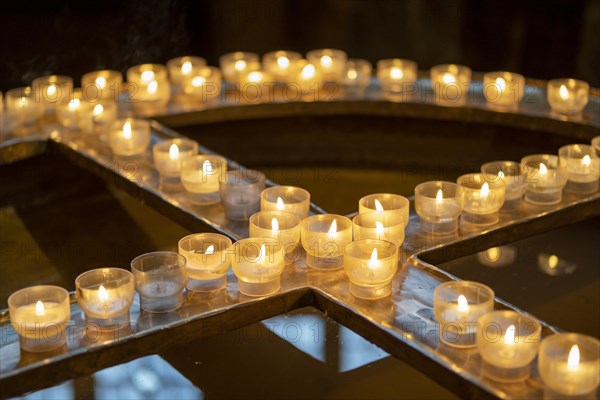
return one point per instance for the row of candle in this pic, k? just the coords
(508, 341)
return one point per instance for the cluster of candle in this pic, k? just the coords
(509, 341)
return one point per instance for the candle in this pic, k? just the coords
(39, 314)
(567, 96)
(330, 63)
(385, 203)
(159, 277)
(71, 114)
(511, 173)
(324, 238)
(307, 79)
(96, 119)
(104, 85)
(200, 176)
(507, 342)
(280, 64)
(129, 137)
(546, 175)
(357, 74)
(503, 89)
(256, 79)
(233, 65)
(458, 305)
(105, 296)
(286, 198)
(569, 364)
(203, 84)
(150, 87)
(240, 193)
(208, 260)
(182, 67)
(52, 90)
(370, 266)
(22, 108)
(380, 226)
(279, 225)
(482, 199)
(583, 167)
(168, 156)
(451, 84)
(439, 204)
(396, 74)
(258, 264)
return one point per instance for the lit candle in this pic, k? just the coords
(280, 225)
(482, 199)
(307, 78)
(396, 75)
(439, 204)
(39, 314)
(280, 64)
(52, 90)
(370, 266)
(583, 167)
(208, 260)
(200, 176)
(511, 173)
(22, 108)
(380, 226)
(168, 156)
(102, 85)
(150, 87)
(129, 137)
(567, 96)
(324, 238)
(204, 84)
(330, 63)
(546, 175)
(286, 198)
(503, 89)
(240, 193)
(450, 83)
(234, 65)
(182, 67)
(96, 119)
(386, 203)
(258, 264)
(357, 74)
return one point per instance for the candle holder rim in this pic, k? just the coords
(507, 314)
(470, 181)
(590, 150)
(323, 217)
(297, 189)
(502, 73)
(405, 201)
(572, 338)
(59, 78)
(383, 214)
(571, 83)
(356, 243)
(164, 145)
(282, 213)
(288, 53)
(440, 185)
(206, 156)
(179, 257)
(58, 289)
(479, 285)
(216, 236)
(554, 159)
(258, 181)
(125, 274)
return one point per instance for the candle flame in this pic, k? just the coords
(147, 76)
(543, 169)
(573, 360)
(485, 190)
(255, 76)
(379, 229)
(173, 152)
(23, 101)
(378, 205)
(396, 73)
(262, 253)
(563, 92)
(101, 82)
(500, 174)
(102, 294)
(500, 84)
(274, 225)
(308, 71)
(210, 250)
(374, 261)
(198, 81)
(207, 167)
(509, 336)
(448, 78)
(186, 68)
(39, 308)
(239, 65)
(74, 104)
(463, 304)
(552, 261)
(326, 61)
(152, 87)
(586, 160)
(127, 130)
(439, 197)
(280, 204)
(333, 228)
(98, 109)
(352, 74)
(283, 62)
(51, 90)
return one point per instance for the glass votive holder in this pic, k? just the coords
(160, 277)
(129, 137)
(458, 305)
(39, 314)
(233, 65)
(396, 74)
(52, 90)
(71, 115)
(324, 238)
(482, 199)
(451, 84)
(105, 296)
(240, 193)
(279, 225)
(503, 89)
(379, 226)
(511, 173)
(258, 264)
(150, 87)
(201, 175)
(330, 63)
(569, 365)
(357, 74)
(104, 85)
(386, 203)
(546, 176)
(583, 167)
(306, 78)
(567, 96)
(168, 157)
(208, 260)
(286, 198)
(439, 204)
(203, 84)
(182, 67)
(508, 342)
(251, 82)
(596, 145)
(22, 108)
(370, 265)
(280, 64)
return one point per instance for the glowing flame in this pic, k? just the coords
(485, 190)
(552, 261)
(239, 65)
(509, 336)
(379, 230)
(152, 87)
(262, 254)
(173, 152)
(563, 92)
(186, 68)
(274, 225)
(148, 76)
(101, 82)
(326, 61)
(40, 310)
(500, 174)
(98, 109)
(280, 204)
(573, 360)
(332, 229)
(308, 71)
(51, 90)
(352, 74)
(378, 205)
(74, 104)
(23, 101)
(198, 81)
(543, 169)
(127, 130)
(210, 250)
(448, 78)
(439, 197)
(463, 304)
(374, 262)
(586, 161)
(500, 84)
(255, 76)
(283, 62)
(396, 73)
(493, 254)
(102, 294)
(207, 167)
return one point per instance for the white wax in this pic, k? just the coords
(28, 323)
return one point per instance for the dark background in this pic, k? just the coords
(544, 40)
